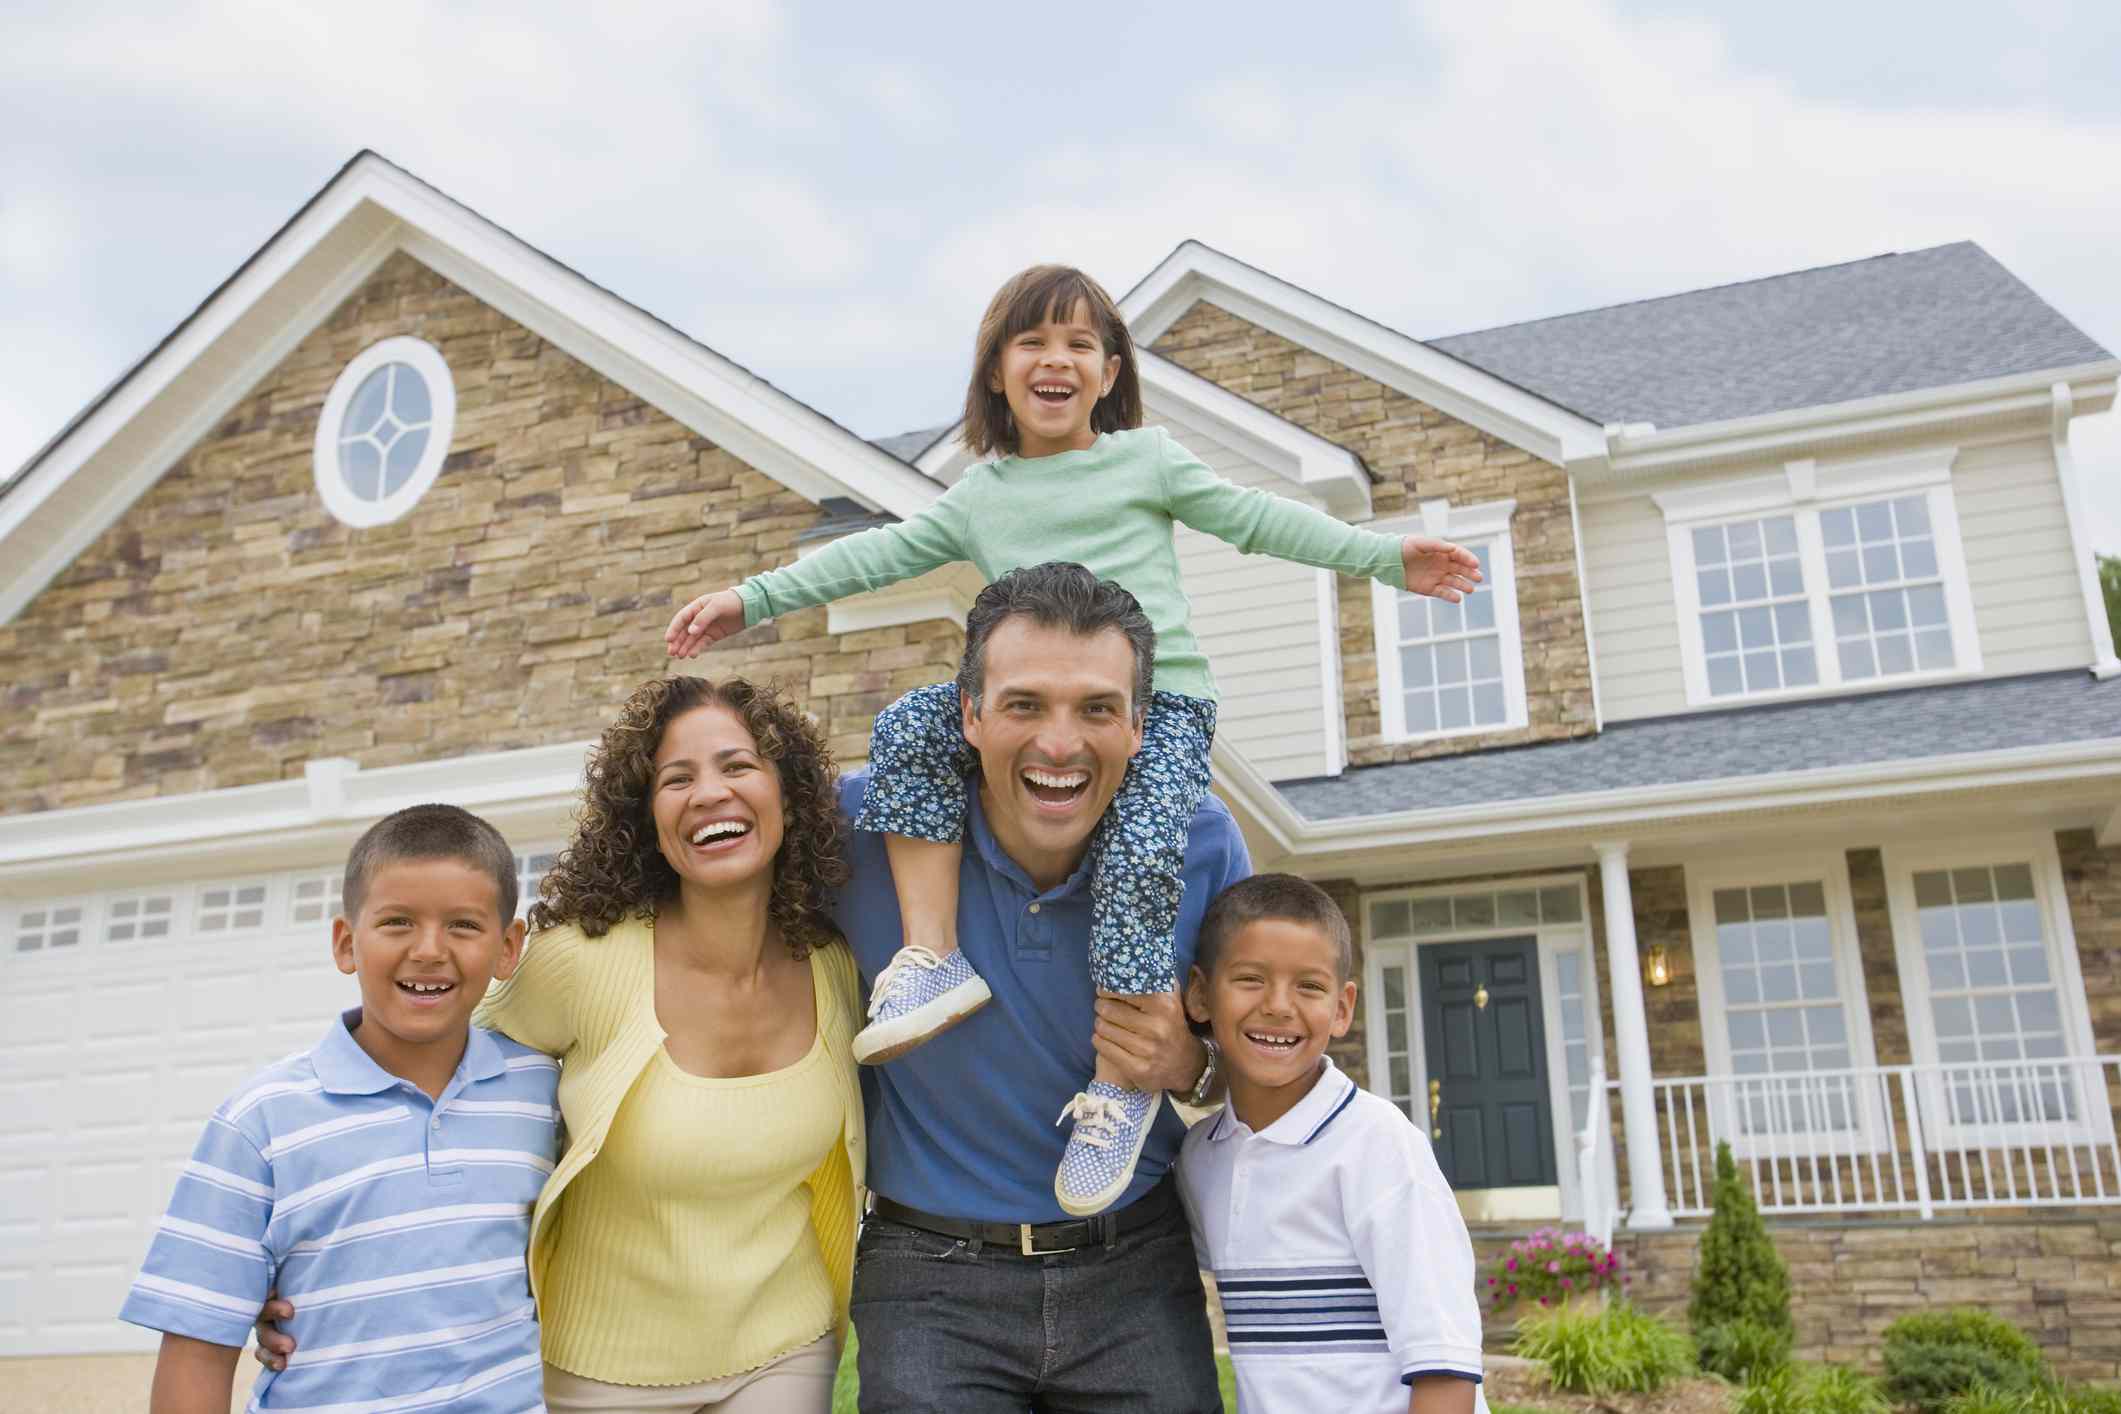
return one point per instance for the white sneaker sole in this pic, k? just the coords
(1108, 1195)
(882, 1041)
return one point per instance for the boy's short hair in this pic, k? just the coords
(430, 832)
(1278, 896)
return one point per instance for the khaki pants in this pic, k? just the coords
(799, 1382)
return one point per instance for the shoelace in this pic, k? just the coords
(901, 973)
(1098, 1118)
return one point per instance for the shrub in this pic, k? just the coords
(2044, 1396)
(1744, 1352)
(1741, 1277)
(1614, 1350)
(1551, 1266)
(1820, 1389)
(1931, 1356)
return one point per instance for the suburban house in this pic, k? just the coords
(1771, 794)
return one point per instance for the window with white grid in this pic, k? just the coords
(230, 908)
(1886, 592)
(1445, 668)
(1575, 1050)
(316, 898)
(530, 872)
(135, 917)
(45, 926)
(1993, 994)
(1398, 1079)
(1756, 627)
(1820, 579)
(1783, 1010)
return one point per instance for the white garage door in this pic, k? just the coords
(125, 1018)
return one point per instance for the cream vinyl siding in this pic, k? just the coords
(2028, 612)
(2028, 609)
(1628, 587)
(1258, 619)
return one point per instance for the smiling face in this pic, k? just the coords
(1054, 731)
(429, 937)
(1275, 999)
(717, 802)
(1052, 377)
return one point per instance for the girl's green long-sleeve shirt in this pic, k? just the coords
(1110, 507)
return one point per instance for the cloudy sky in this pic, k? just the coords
(828, 192)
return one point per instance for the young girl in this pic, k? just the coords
(1056, 401)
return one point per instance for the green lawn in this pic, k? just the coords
(843, 1390)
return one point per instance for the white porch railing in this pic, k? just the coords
(1594, 1168)
(1896, 1138)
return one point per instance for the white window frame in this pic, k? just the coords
(1552, 938)
(272, 908)
(1485, 524)
(426, 360)
(1830, 869)
(90, 926)
(1902, 863)
(1802, 490)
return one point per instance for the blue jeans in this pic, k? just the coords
(946, 1326)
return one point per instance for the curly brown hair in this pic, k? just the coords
(614, 869)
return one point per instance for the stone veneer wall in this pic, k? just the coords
(1417, 454)
(226, 629)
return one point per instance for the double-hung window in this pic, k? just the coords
(1820, 579)
(1452, 669)
(1785, 1021)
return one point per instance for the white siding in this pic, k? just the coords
(2027, 608)
(1628, 591)
(1258, 619)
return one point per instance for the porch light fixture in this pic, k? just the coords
(1656, 966)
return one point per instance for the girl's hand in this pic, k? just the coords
(1438, 568)
(707, 620)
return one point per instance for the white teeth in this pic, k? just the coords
(426, 988)
(1261, 1038)
(719, 828)
(1057, 780)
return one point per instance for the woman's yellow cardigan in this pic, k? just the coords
(591, 1002)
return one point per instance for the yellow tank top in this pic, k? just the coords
(685, 1251)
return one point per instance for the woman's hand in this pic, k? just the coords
(1438, 568)
(704, 622)
(274, 1344)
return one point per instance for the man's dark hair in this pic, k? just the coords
(430, 832)
(1278, 896)
(1060, 595)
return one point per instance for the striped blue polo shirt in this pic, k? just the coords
(397, 1225)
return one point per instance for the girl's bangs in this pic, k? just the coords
(1054, 297)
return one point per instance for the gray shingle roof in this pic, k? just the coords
(908, 445)
(2040, 710)
(1890, 324)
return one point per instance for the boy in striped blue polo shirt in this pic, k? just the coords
(382, 1180)
(1343, 1265)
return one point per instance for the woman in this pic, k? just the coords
(694, 1247)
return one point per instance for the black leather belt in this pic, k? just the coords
(1039, 1239)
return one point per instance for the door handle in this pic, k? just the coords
(1435, 1104)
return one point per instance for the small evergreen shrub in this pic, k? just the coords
(1614, 1350)
(1931, 1356)
(1743, 1351)
(1551, 1266)
(1741, 1276)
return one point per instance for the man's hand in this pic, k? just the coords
(704, 622)
(1438, 568)
(274, 1345)
(1147, 1041)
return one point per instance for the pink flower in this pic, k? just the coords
(1542, 1301)
(1553, 1266)
(1491, 1281)
(1513, 1288)
(1566, 1285)
(1510, 1265)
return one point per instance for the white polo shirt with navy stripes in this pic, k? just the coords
(1342, 1262)
(396, 1224)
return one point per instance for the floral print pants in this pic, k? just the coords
(919, 763)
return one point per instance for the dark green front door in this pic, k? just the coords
(1487, 1056)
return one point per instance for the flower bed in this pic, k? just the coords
(1549, 1266)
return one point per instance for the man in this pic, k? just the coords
(973, 1290)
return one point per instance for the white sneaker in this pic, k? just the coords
(918, 996)
(1111, 1125)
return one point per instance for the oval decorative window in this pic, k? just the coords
(385, 431)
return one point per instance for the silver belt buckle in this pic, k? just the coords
(1023, 1232)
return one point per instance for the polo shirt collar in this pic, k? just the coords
(997, 858)
(1329, 1095)
(343, 1068)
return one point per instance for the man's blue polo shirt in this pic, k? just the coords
(964, 1125)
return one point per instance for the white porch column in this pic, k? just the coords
(1631, 1038)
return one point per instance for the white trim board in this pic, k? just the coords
(370, 210)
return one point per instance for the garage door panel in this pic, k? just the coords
(81, 1298)
(115, 1105)
(102, 1198)
(25, 1197)
(34, 1017)
(196, 1087)
(35, 1108)
(16, 1283)
(125, 1012)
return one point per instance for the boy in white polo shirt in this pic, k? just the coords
(1344, 1267)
